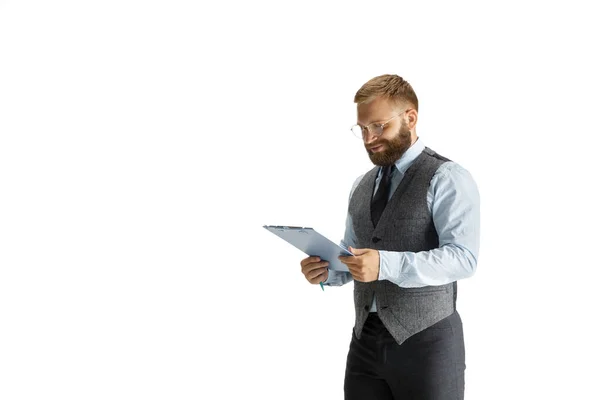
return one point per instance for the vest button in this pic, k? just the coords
(367, 308)
(375, 239)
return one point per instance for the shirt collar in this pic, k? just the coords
(404, 162)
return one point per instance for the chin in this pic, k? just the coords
(378, 160)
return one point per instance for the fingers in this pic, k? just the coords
(354, 270)
(350, 260)
(312, 266)
(317, 275)
(357, 274)
(357, 271)
(311, 263)
(309, 260)
(355, 258)
(314, 269)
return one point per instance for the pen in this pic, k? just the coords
(322, 288)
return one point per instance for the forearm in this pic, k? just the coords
(439, 266)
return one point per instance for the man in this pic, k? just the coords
(413, 227)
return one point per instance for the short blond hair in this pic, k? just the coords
(392, 87)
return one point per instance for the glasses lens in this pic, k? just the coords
(377, 129)
(357, 130)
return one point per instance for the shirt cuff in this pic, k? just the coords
(332, 278)
(390, 265)
(337, 278)
(329, 276)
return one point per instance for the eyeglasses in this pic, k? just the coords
(375, 128)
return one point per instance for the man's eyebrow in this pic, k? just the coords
(372, 122)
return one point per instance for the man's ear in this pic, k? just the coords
(412, 116)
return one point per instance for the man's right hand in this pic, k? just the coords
(314, 269)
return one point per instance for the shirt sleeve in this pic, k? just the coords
(453, 199)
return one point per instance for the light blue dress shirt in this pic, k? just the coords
(453, 200)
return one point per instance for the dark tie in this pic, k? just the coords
(381, 197)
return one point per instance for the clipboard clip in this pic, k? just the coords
(282, 228)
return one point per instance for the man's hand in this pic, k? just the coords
(314, 269)
(364, 265)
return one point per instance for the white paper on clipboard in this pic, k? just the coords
(312, 243)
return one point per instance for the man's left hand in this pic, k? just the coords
(364, 265)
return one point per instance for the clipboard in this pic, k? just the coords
(312, 243)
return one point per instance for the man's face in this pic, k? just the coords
(396, 137)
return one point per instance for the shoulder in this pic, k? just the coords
(355, 184)
(431, 153)
(451, 168)
(370, 173)
(450, 174)
(357, 181)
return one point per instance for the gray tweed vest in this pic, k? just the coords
(405, 225)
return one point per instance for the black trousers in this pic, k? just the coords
(429, 365)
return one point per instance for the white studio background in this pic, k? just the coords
(143, 144)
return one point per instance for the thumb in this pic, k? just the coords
(356, 252)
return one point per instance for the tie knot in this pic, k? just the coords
(387, 170)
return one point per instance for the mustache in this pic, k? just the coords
(378, 143)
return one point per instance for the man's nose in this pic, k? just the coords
(368, 137)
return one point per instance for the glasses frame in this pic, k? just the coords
(379, 126)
